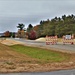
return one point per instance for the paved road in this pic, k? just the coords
(66, 47)
(64, 72)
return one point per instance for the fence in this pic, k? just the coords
(51, 40)
(68, 39)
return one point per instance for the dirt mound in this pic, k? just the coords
(9, 42)
(41, 39)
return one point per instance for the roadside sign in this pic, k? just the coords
(68, 37)
(51, 40)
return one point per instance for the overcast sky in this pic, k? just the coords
(32, 12)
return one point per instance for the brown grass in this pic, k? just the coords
(12, 61)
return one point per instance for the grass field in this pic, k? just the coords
(20, 58)
(42, 54)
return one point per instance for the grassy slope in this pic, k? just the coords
(42, 54)
(7, 54)
(19, 58)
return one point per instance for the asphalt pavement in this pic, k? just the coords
(63, 72)
(58, 46)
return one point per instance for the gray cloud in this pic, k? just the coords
(13, 12)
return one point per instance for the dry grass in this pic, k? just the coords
(44, 39)
(12, 61)
(9, 42)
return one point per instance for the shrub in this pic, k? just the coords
(32, 35)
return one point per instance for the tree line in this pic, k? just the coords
(64, 25)
(59, 26)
